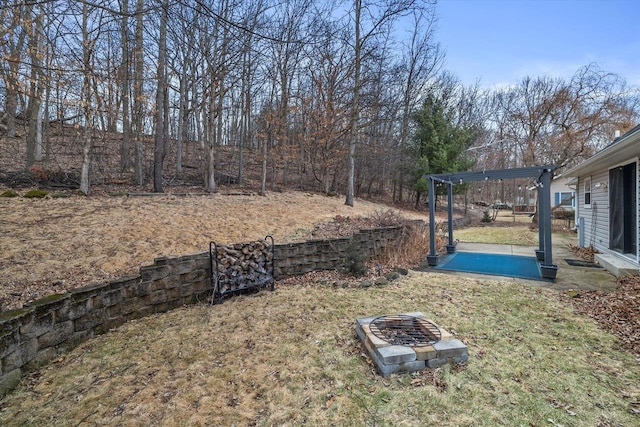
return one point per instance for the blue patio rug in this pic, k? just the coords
(523, 267)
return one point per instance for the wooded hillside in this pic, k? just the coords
(351, 98)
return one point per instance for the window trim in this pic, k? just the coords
(587, 190)
(569, 202)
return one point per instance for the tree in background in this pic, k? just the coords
(439, 143)
(339, 103)
(161, 125)
(562, 122)
(370, 19)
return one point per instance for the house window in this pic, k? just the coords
(566, 199)
(587, 192)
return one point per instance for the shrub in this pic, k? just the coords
(387, 218)
(35, 194)
(354, 261)
(413, 249)
(38, 173)
(486, 217)
(9, 193)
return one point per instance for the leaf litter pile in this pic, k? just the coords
(618, 312)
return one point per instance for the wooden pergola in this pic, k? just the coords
(542, 176)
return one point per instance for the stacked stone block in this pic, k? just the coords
(300, 258)
(47, 327)
(390, 358)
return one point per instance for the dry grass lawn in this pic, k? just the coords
(291, 357)
(55, 244)
(499, 235)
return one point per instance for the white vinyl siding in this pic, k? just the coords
(598, 211)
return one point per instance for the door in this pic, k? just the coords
(622, 209)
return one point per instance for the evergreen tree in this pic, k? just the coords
(439, 144)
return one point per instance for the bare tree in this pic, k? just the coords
(35, 44)
(422, 59)
(89, 37)
(137, 118)
(125, 67)
(551, 120)
(327, 106)
(14, 37)
(161, 94)
(365, 30)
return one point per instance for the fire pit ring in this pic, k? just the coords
(402, 329)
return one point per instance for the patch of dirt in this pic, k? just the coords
(617, 312)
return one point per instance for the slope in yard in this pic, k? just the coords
(55, 244)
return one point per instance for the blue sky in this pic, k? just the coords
(501, 41)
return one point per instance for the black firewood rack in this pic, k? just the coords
(226, 281)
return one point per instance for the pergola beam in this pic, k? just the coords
(542, 175)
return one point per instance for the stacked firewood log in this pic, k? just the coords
(244, 265)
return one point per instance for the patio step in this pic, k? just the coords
(616, 266)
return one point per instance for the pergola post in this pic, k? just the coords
(547, 268)
(432, 258)
(451, 247)
(540, 212)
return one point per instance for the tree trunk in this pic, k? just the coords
(36, 88)
(87, 150)
(182, 121)
(160, 128)
(45, 124)
(13, 53)
(263, 181)
(138, 105)
(125, 149)
(355, 112)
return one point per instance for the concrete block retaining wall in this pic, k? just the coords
(45, 328)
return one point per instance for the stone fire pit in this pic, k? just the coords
(408, 342)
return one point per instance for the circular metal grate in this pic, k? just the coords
(401, 329)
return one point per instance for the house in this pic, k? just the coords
(607, 209)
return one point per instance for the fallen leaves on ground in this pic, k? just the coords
(618, 311)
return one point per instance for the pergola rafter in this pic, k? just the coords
(542, 175)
